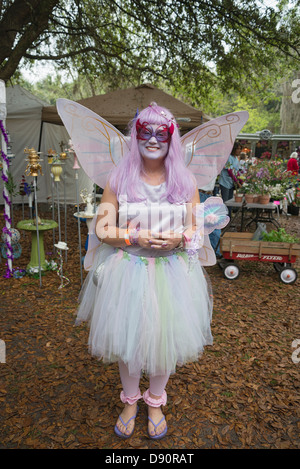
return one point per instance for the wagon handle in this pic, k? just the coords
(290, 251)
(260, 249)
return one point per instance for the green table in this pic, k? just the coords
(30, 225)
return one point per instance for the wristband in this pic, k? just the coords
(127, 240)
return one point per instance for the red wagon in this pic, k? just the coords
(240, 246)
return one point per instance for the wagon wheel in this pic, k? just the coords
(231, 272)
(278, 266)
(288, 275)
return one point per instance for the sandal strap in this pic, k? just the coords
(155, 426)
(127, 423)
(155, 402)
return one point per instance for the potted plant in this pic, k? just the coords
(293, 207)
(263, 182)
(249, 186)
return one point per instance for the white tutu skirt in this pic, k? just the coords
(153, 313)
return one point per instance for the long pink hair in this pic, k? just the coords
(180, 182)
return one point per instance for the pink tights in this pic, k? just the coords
(131, 384)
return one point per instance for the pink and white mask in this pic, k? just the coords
(153, 140)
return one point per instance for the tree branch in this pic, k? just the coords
(36, 22)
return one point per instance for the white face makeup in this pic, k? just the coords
(152, 148)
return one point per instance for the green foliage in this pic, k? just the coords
(264, 110)
(280, 236)
(10, 185)
(194, 47)
(263, 113)
(54, 86)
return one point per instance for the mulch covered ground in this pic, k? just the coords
(243, 393)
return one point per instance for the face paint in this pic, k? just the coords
(153, 148)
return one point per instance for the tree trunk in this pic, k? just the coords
(290, 106)
(24, 22)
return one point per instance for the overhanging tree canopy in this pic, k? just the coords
(185, 44)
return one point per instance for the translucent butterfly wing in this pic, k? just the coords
(210, 215)
(98, 145)
(208, 146)
(93, 245)
(206, 254)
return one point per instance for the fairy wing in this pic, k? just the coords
(208, 146)
(206, 254)
(93, 245)
(210, 215)
(98, 145)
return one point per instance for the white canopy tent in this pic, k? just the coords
(26, 129)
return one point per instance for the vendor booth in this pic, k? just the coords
(26, 129)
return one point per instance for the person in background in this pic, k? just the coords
(292, 164)
(225, 180)
(298, 153)
(259, 149)
(243, 160)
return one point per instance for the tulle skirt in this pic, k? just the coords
(153, 313)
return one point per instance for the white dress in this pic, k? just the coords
(152, 309)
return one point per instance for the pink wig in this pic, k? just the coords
(125, 178)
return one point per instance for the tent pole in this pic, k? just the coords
(53, 208)
(78, 223)
(37, 228)
(65, 203)
(40, 136)
(5, 168)
(58, 212)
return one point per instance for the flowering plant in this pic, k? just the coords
(266, 155)
(70, 148)
(34, 271)
(269, 177)
(250, 181)
(277, 192)
(236, 176)
(263, 179)
(296, 201)
(283, 144)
